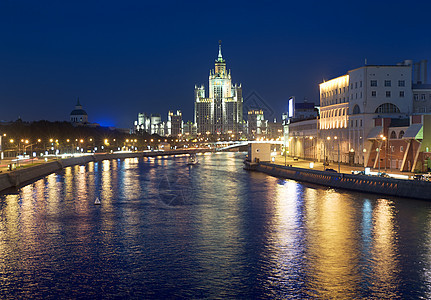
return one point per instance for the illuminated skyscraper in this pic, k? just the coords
(221, 112)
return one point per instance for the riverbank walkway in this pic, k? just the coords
(305, 164)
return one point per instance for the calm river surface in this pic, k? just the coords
(168, 230)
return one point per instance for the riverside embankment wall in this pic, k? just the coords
(20, 177)
(361, 183)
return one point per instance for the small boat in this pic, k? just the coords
(193, 160)
(97, 201)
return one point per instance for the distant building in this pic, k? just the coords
(157, 127)
(274, 129)
(78, 115)
(421, 89)
(256, 124)
(189, 128)
(220, 112)
(143, 123)
(174, 123)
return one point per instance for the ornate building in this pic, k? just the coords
(221, 112)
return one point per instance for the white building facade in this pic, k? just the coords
(351, 103)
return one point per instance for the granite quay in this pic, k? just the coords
(348, 178)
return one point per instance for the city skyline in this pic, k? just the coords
(120, 59)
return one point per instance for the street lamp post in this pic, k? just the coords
(314, 149)
(326, 157)
(338, 153)
(383, 138)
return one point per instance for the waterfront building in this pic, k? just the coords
(401, 144)
(78, 115)
(303, 138)
(300, 125)
(221, 111)
(350, 104)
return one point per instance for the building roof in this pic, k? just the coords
(415, 131)
(78, 112)
(375, 133)
(421, 86)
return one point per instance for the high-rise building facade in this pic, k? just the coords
(221, 112)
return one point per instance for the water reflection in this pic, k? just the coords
(384, 254)
(284, 238)
(332, 245)
(238, 235)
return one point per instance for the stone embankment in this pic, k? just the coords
(362, 183)
(26, 175)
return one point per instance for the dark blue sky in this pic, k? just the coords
(125, 57)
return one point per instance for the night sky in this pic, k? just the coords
(125, 57)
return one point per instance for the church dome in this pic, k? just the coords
(78, 112)
(78, 115)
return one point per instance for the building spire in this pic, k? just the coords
(220, 57)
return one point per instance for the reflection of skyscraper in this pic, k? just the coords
(221, 112)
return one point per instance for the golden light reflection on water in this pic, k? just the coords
(283, 237)
(332, 248)
(129, 182)
(385, 258)
(267, 235)
(426, 275)
(106, 184)
(68, 183)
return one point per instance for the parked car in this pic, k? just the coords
(418, 177)
(330, 170)
(427, 176)
(382, 174)
(358, 172)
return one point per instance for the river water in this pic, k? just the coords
(166, 230)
